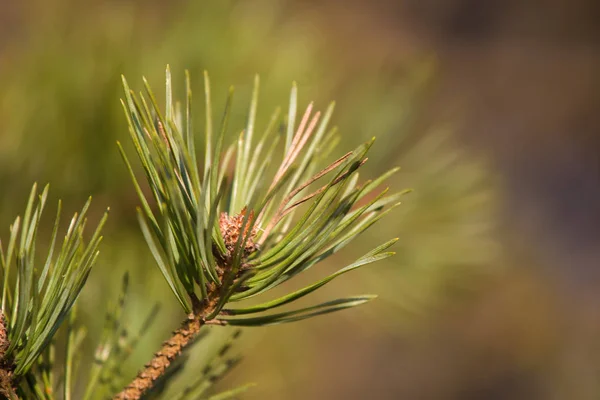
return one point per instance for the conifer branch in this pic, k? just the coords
(217, 243)
(37, 299)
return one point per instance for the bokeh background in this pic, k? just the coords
(490, 108)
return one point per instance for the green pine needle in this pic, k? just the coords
(36, 299)
(222, 236)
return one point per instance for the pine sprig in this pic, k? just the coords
(221, 239)
(38, 297)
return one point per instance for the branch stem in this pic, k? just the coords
(169, 351)
(6, 366)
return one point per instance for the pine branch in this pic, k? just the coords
(217, 243)
(37, 299)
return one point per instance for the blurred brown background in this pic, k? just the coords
(490, 108)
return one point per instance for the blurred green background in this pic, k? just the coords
(490, 108)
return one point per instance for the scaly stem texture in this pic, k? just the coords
(6, 367)
(162, 359)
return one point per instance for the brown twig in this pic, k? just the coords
(169, 351)
(171, 348)
(7, 389)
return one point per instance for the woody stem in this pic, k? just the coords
(6, 366)
(169, 351)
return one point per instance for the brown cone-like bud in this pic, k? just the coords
(231, 228)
